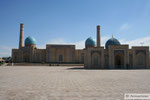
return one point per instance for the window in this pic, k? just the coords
(60, 58)
(82, 58)
(15, 58)
(95, 60)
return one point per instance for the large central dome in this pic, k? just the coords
(30, 41)
(112, 41)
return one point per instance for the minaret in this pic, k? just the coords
(21, 35)
(98, 36)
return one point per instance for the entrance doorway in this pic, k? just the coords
(95, 60)
(119, 61)
(26, 57)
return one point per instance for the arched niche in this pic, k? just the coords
(119, 60)
(96, 60)
(141, 59)
(26, 57)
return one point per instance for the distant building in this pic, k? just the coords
(114, 56)
(1, 60)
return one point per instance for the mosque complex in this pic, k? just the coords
(113, 56)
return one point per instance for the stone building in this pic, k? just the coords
(52, 53)
(114, 56)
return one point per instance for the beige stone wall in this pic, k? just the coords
(106, 58)
(79, 55)
(140, 56)
(17, 55)
(130, 58)
(94, 57)
(24, 54)
(39, 55)
(67, 53)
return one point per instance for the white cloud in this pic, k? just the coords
(5, 54)
(80, 44)
(5, 47)
(5, 51)
(124, 27)
(137, 42)
(57, 41)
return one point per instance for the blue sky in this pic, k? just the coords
(73, 21)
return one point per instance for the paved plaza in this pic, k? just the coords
(69, 83)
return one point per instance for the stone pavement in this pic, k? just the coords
(67, 83)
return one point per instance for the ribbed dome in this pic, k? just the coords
(90, 42)
(112, 41)
(30, 40)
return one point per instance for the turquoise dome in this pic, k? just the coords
(112, 41)
(30, 41)
(90, 42)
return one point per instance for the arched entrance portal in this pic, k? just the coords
(26, 57)
(95, 60)
(119, 61)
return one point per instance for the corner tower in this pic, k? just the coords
(98, 36)
(21, 41)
